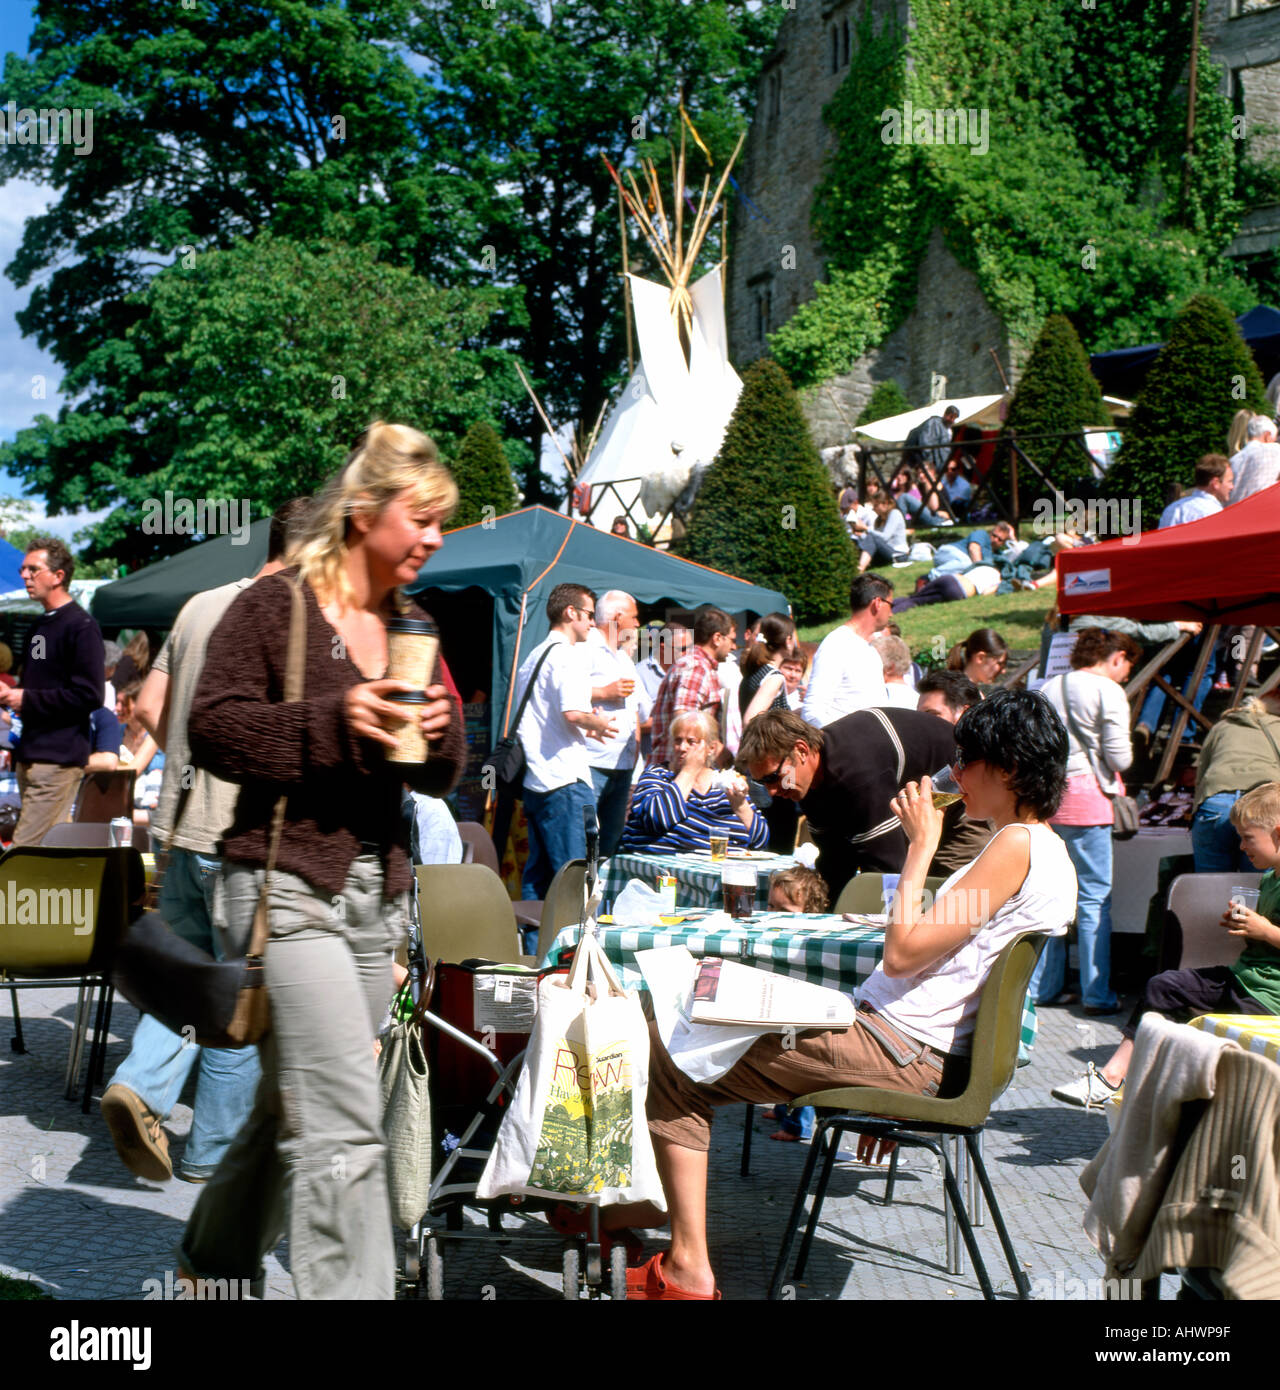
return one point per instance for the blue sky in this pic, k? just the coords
(20, 358)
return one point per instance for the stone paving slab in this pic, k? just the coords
(77, 1222)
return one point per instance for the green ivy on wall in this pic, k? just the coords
(1067, 196)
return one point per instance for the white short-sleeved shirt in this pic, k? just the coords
(555, 750)
(848, 675)
(1192, 507)
(901, 696)
(938, 1006)
(606, 666)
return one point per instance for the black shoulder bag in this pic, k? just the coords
(223, 1002)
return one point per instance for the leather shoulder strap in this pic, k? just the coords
(294, 679)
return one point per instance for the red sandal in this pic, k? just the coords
(576, 1221)
(649, 1283)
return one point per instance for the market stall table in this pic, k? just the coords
(697, 878)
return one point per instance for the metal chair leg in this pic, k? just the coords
(747, 1126)
(1022, 1283)
(887, 1199)
(834, 1136)
(797, 1207)
(79, 1027)
(962, 1219)
(16, 1043)
(955, 1256)
(972, 1189)
(98, 1046)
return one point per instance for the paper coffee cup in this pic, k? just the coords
(412, 644)
(413, 743)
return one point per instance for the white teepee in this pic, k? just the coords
(672, 414)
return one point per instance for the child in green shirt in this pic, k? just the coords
(1250, 986)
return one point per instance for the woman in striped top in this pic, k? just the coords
(680, 806)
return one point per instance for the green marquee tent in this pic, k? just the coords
(488, 589)
(151, 597)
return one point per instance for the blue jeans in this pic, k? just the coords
(160, 1061)
(1090, 849)
(874, 544)
(1215, 842)
(950, 559)
(613, 786)
(556, 834)
(1179, 673)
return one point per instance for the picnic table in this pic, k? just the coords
(697, 878)
(820, 947)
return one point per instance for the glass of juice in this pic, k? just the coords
(719, 848)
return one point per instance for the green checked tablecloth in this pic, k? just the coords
(819, 947)
(697, 878)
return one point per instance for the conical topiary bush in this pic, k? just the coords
(1056, 391)
(483, 477)
(766, 510)
(1203, 375)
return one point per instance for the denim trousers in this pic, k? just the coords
(160, 1061)
(311, 1160)
(613, 786)
(1215, 842)
(1178, 673)
(950, 559)
(1090, 849)
(556, 834)
(875, 545)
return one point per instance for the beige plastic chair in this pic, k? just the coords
(476, 838)
(56, 951)
(563, 905)
(865, 893)
(928, 1121)
(465, 913)
(1196, 904)
(91, 834)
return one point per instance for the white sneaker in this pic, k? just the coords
(1087, 1091)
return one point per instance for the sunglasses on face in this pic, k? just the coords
(774, 778)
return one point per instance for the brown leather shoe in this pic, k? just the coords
(142, 1144)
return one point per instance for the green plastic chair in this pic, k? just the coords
(562, 906)
(865, 893)
(909, 1119)
(464, 912)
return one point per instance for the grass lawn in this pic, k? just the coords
(932, 631)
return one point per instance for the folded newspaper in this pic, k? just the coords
(726, 992)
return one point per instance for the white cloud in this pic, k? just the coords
(24, 360)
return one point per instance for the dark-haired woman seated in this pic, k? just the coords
(680, 806)
(921, 1001)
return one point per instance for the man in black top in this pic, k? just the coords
(844, 776)
(62, 684)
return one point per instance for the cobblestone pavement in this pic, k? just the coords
(79, 1224)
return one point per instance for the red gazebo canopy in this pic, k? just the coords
(1223, 568)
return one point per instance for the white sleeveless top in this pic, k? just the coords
(939, 1005)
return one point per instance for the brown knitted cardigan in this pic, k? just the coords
(343, 795)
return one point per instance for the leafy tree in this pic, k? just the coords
(485, 488)
(1056, 391)
(527, 99)
(1077, 205)
(248, 377)
(766, 509)
(1203, 375)
(887, 399)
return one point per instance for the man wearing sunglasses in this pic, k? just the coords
(62, 684)
(844, 776)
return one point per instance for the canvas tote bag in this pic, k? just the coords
(575, 1129)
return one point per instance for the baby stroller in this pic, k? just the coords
(477, 1016)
